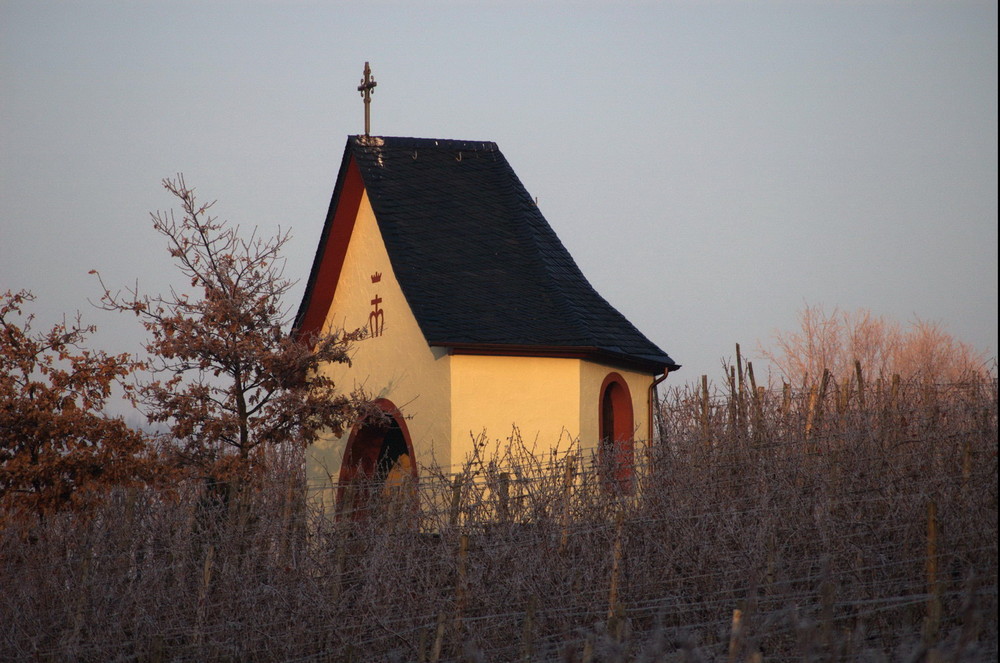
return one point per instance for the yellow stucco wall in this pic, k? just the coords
(449, 400)
(397, 365)
(539, 395)
(591, 378)
(551, 400)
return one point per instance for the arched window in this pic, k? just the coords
(617, 426)
(378, 463)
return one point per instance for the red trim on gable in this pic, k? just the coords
(340, 222)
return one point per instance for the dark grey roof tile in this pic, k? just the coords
(476, 260)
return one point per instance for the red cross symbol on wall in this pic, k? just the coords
(376, 319)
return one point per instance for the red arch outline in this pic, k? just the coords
(365, 442)
(620, 466)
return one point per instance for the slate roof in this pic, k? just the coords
(476, 260)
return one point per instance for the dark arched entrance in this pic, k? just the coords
(617, 426)
(378, 462)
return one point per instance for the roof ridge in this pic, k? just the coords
(363, 141)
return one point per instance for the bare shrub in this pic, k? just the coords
(871, 536)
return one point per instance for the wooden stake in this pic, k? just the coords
(811, 412)
(932, 620)
(735, 635)
(740, 405)
(438, 638)
(966, 463)
(823, 384)
(815, 416)
(616, 562)
(739, 369)
(81, 600)
(456, 501)
(345, 509)
(461, 587)
(704, 408)
(206, 579)
(338, 567)
(503, 495)
(528, 648)
(827, 595)
(861, 383)
(733, 410)
(843, 397)
(756, 401)
(567, 495)
(422, 647)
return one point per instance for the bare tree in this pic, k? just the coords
(835, 341)
(231, 382)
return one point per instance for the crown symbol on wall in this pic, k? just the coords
(376, 277)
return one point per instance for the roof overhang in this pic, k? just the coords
(599, 355)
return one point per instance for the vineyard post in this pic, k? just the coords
(503, 492)
(461, 587)
(527, 648)
(815, 415)
(735, 634)
(456, 500)
(811, 411)
(933, 618)
(827, 590)
(340, 562)
(567, 493)
(439, 638)
(206, 579)
(704, 408)
(823, 384)
(81, 600)
(966, 464)
(422, 646)
(733, 411)
(861, 383)
(614, 612)
(740, 404)
(758, 414)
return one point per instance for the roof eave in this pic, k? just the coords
(601, 355)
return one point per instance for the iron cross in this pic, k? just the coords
(367, 85)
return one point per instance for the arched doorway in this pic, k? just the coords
(378, 465)
(617, 427)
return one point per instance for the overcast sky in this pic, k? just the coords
(712, 167)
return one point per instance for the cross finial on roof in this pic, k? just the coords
(367, 85)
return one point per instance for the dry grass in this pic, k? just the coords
(873, 536)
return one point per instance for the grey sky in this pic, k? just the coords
(711, 166)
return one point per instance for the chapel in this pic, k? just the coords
(477, 317)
